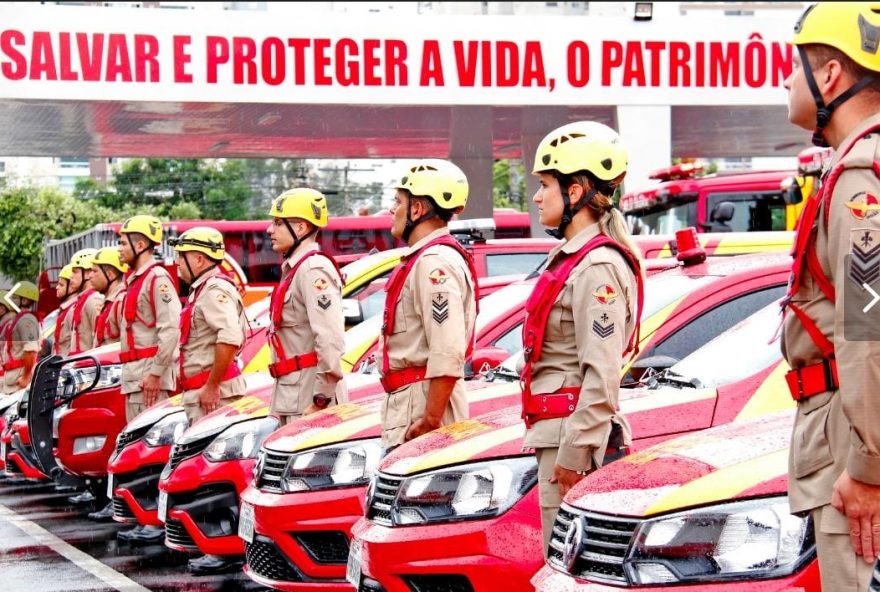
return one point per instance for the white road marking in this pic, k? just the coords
(107, 574)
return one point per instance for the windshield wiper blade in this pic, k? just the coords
(669, 376)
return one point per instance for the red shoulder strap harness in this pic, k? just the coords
(11, 362)
(130, 352)
(3, 326)
(397, 379)
(59, 322)
(821, 377)
(287, 365)
(77, 320)
(547, 289)
(197, 381)
(102, 324)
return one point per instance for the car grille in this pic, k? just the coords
(272, 471)
(265, 560)
(330, 547)
(181, 452)
(121, 510)
(603, 545)
(176, 534)
(383, 498)
(440, 583)
(126, 438)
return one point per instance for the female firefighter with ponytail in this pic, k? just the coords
(582, 317)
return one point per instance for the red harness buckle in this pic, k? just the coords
(133, 355)
(562, 403)
(397, 379)
(293, 364)
(811, 380)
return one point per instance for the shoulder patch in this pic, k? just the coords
(603, 326)
(164, 288)
(437, 277)
(605, 294)
(863, 205)
(320, 284)
(221, 297)
(864, 265)
(324, 301)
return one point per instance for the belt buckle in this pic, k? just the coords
(800, 382)
(830, 383)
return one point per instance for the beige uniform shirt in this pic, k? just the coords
(5, 318)
(25, 338)
(837, 431)
(588, 328)
(218, 317)
(113, 327)
(311, 320)
(83, 337)
(165, 333)
(433, 327)
(65, 336)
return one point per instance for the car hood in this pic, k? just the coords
(362, 419)
(736, 460)
(254, 404)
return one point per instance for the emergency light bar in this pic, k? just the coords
(476, 229)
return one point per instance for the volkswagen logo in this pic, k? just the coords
(573, 543)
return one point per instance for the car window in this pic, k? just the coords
(513, 263)
(374, 304)
(752, 210)
(713, 322)
(754, 342)
(511, 341)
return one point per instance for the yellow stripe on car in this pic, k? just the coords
(723, 484)
(338, 433)
(650, 326)
(771, 396)
(466, 449)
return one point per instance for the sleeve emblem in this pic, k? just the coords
(437, 277)
(864, 267)
(602, 327)
(863, 205)
(324, 301)
(320, 284)
(604, 294)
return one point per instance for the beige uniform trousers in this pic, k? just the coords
(195, 412)
(134, 403)
(839, 566)
(548, 493)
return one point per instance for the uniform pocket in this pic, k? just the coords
(811, 449)
(396, 409)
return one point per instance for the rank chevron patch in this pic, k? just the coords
(603, 331)
(440, 308)
(864, 266)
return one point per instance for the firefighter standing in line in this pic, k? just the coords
(834, 464)
(308, 328)
(212, 331)
(108, 278)
(582, 316)
(430, 307)
(6, 315)
(21, 339)
(88, 303)
(64, 320)
(150, 333)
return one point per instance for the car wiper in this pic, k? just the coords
(502, 372)
(669, 376)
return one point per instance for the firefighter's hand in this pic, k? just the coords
(209, 398)
(423, 425)
(150, 387)
(565, 478)
(23, 381)
(861, 504)
(311, 409)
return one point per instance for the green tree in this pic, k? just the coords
(509, 185)
(32, 215)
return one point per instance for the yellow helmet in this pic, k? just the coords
(582, 146)
(301, 202)
(109, 256)
(440, 180)
(851, 27)
(82, 259)
(3, 294)
(28, 291)
(66, 272)
(149, 226)
(202, 239)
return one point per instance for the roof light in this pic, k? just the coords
(690, 252)
(687, 170)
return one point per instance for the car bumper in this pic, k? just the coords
(805, 580)
(301, 540)
(203, 505)
(83, 423)
(477, 555)
(135, 471)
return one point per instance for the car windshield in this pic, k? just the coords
(753, 341)
(500, 302)
(359, 267)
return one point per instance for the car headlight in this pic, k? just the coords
(56, 418)
(167, 430)
(110, 376)
(341, 465)
(241, 440)
(752, 539)
(465, 492)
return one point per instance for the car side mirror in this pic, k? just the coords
(488, 358)
(792, 193)
(352, 311)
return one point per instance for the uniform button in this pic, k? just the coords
(571, 407)
(570, 397)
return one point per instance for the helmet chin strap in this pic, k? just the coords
(411, 224)
(297, 241)
(569, 212)
(823, 112)
(195, 277)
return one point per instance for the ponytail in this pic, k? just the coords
(613, 224)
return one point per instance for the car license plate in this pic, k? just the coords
(163, 506)
(246, 522)
(110, 485)
(353, 567)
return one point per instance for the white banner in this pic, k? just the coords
(93, 53)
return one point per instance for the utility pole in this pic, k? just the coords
(345, 170)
